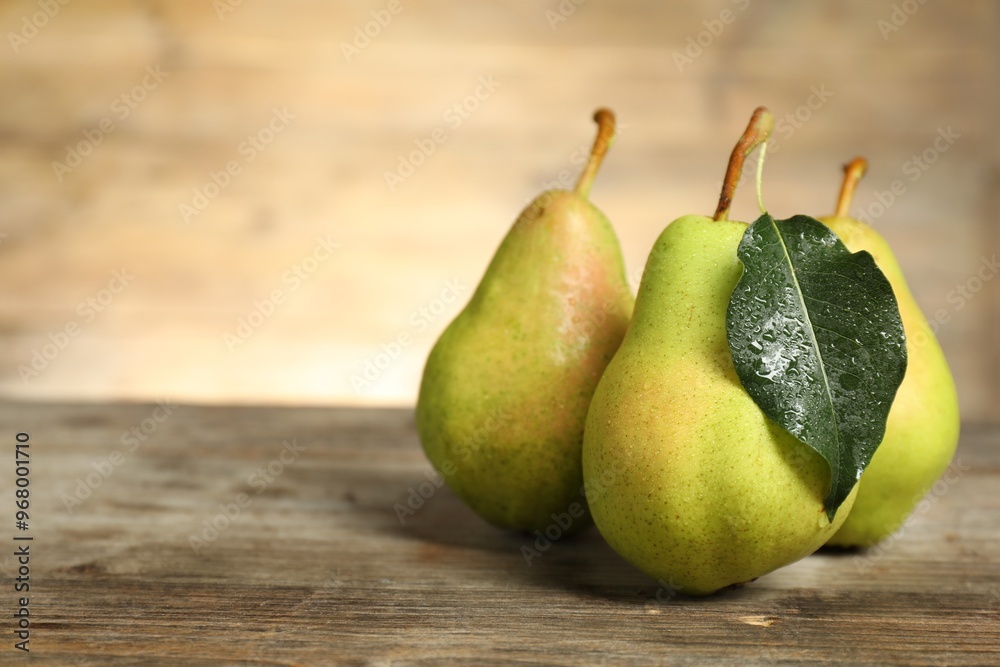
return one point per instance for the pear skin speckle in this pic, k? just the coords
(700, 487)
(922, 431)
(505, 390)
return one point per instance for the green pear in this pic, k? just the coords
(686, 477)
(922, 430)
(505, 390)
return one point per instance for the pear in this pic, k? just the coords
(686, 477)
(505, 390)
(922, 429)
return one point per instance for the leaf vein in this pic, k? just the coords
(815, 345)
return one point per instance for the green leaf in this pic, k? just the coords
(817, 341)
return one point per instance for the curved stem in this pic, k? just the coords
(853, 171)
(758, 130)
(605, 119)
(760, 177)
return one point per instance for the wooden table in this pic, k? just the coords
(317, 568)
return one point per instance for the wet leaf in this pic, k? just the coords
(817, 341)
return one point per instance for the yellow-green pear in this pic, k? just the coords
(505, 390)
(922, 430)
(686, 477)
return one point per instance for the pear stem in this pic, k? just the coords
(758, 131)
(760, 177)
(605, 119)
(853, 171)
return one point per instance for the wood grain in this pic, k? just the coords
(163, 336)
(318, 570)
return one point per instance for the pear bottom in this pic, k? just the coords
(721, 523)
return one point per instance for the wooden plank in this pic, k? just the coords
(318, 569)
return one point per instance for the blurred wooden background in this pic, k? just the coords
(117, 114)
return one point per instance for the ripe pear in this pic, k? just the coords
(506, 388)
(686, 477)
(922, 429)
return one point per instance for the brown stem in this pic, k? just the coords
(605, 119)
(758, 130)
(853, 171)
